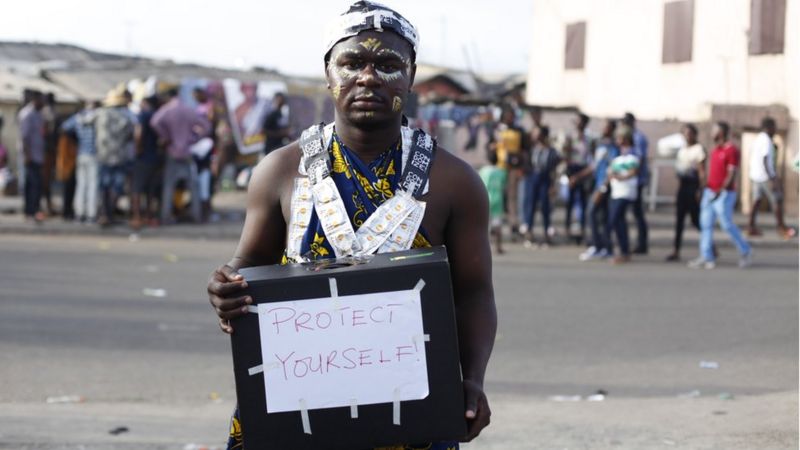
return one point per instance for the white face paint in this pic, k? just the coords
(389, 76)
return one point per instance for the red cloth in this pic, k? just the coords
(722, 157)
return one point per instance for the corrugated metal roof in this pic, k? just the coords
(13, 84)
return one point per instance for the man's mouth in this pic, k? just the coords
(368, 101)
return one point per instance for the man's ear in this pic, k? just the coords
(327, 75)
(412, 73)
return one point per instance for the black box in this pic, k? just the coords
(438, 417)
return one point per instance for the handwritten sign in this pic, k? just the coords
(340, 351)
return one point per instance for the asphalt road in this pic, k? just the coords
(74, 320)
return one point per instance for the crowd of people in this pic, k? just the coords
(152, 152)
(603, 177)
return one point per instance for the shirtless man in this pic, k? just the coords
(370, 70)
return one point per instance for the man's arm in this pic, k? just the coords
(470, 257)
(263, 236)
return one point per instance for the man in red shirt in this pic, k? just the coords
(719, 198)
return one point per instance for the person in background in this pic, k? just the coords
(81, 125)
(32, 138)
(7, 180)
(511, 145)
(66, 160)
(204, 156)
(51, 135)
(276, 125)
(690, 168)
(543, 162)
(179, 127)
(494, 178)
(623, 180)
(147, 167)
(640, 149)
(114, 134)
(604, 153)
(765, 181)
(578, 158)
(719, 198)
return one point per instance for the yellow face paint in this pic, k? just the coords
(371, 44)
(397, 104)
(336, 91)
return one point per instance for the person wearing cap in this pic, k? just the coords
(113, 134)
(369, 67)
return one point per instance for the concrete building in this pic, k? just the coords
(672, 61)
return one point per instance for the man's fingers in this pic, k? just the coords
(225, 326)
(230, 273)
(232, 313)
(227, 304)
(224, 289)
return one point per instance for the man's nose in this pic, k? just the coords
(368, 76)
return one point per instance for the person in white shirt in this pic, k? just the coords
(765, 181)
(622, 176)
(690, 168)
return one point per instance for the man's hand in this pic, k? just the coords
(477, 409)
(224, 289)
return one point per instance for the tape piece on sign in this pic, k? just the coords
(334, 287)
(353, 408)
(304, 416)
(396, 407)
(252, 308)
(420, 285)
(422, 337)
(255, 370)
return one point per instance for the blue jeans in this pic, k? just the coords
(598, 220)
(537, 190)
(617, 222)
(720, 209)
(33, 188)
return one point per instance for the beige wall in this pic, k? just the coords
(623, 69)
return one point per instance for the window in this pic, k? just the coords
(767, 26)
(678, 31)
(575, 45)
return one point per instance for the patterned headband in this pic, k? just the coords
(367, 15)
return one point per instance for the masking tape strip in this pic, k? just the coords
(334, 287)
(304, 417)
(353, 408)
(252, 308)
(255, 370)
(396, 407)
(420, 285)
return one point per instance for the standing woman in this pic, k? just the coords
(690, 168)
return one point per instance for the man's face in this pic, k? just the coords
(716, 132)
(370, 75)
(689, 135)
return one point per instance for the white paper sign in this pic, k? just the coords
(339, 351)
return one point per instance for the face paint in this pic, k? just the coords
(371, 44)
(389, 76)
(336, 91)
(397, 104)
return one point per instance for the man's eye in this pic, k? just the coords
(353, 65)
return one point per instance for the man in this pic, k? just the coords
(510, 145)
(82, 125)
(114, 133)
(581, 147)
(623, 174)
(179, 126)
(369, 73)
(147, 166)
(494, 178)
(719, 198)
(32, 137)
(276, 125)
(544, 160)
(604, 153)
(690, 169)
(765, 180)
(640, 150)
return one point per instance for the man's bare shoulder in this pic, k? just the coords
(453, 173)
(274, 171)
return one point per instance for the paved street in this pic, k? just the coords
(74, 320)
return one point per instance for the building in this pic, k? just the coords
(672, 61)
